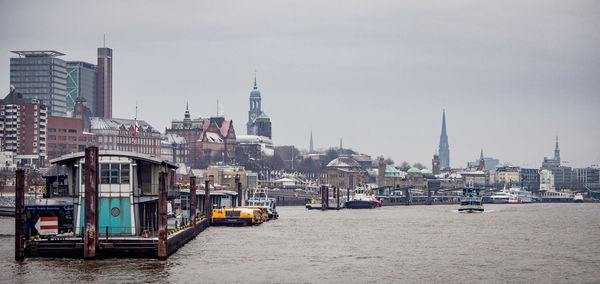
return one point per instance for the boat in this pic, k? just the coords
(315, 203)
(236, 216)
(362, 199)
(578, 198)
(470, 201)
(260, 198)
(500, 197)
(519, 195)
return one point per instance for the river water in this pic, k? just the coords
(507, 243)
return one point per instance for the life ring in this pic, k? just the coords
(145, 234)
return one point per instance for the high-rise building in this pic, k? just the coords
(435, 163)
(40, 75)
(81, 82)
(104, 83)
(444, 148)
(258, 122)
(23, 126)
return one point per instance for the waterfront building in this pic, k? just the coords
(444, 148)
(23, 124)
(490, 163)
(224, 176)
(258, 122)
(588, 178)
(66, 135)
(546, 180)
(175, 149)
(344, 172)
(118, 134)
(530, 179)
(507, 175)
(42, 76)
(564, 177)
(476, 178)
(81, 82)
(209, 140)
(388, 175)
(103, 102)
(255, 147)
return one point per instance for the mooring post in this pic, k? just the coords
(337, 194)
(90, 246)
(238, 183)
(429, 201)
(323, 205)
(207, 206)
(407, 201)
(193, 203)
(20, 215)
(162, 216)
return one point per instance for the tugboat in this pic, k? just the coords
(260, 199)
(470, 201)
(362, 200)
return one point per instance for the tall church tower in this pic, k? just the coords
(258, 122)
(444, 148)
(557, 152)
(311, 147)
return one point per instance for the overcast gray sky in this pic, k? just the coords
(511, 74)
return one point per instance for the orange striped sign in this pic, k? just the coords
(47, 226)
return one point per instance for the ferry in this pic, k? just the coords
(236, 216)
(315, 203)
(470, 201)
(260, 198)
(362, 199)
(578, 198)
(500, 197)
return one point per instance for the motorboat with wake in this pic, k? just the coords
(470, 201)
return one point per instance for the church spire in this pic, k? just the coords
(444, 147)
(444, 134)
(311, 148)
(255, 87)
(557, 151)
(187, 112)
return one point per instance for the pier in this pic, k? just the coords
(115, 204)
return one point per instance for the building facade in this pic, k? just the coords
(530, 179)
(258, 122)
(40, 75)
(344, 173)
(118, 134)
(553, 161)
(66, 135)
(444, 148)
(81, 82)
(23, 124)
(103, 100)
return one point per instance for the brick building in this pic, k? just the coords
(117, 134)
(66, 135)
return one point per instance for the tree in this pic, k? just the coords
(389, 161)
(404, 166)
(419, 166)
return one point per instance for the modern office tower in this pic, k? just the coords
(81, 82)
(104, 83)
(40, 75)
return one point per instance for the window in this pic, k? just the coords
(82, 139)
(62, 130)
(51, 137)
(72, 138)
(51, 129)
(114, 173)
(72, 131)
(62, 138)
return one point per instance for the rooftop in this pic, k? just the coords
(38, 53)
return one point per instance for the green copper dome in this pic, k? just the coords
(414, 170)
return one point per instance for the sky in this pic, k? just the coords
(511, 75)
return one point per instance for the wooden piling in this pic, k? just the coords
(239, 190)
(193, 203)
(324, 197)
(162, 216)
(337, 194)
(20, 215)
(207, 206)
(90, 246)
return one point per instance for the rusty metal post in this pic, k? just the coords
(162, 216)
(429, 200)
(90, 246)
(337, 194)
(207, 206)
(238, 183)
(20, 215)
(407, 201)
(348, 194)
(193, 203)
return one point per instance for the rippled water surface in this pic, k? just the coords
(507, 243)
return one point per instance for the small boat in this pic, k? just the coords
(501, 197)
(362, 199)
(578, 198)
(236, 216)
(260, 198)
(470, 201)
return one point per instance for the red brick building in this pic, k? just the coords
(66, 135)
